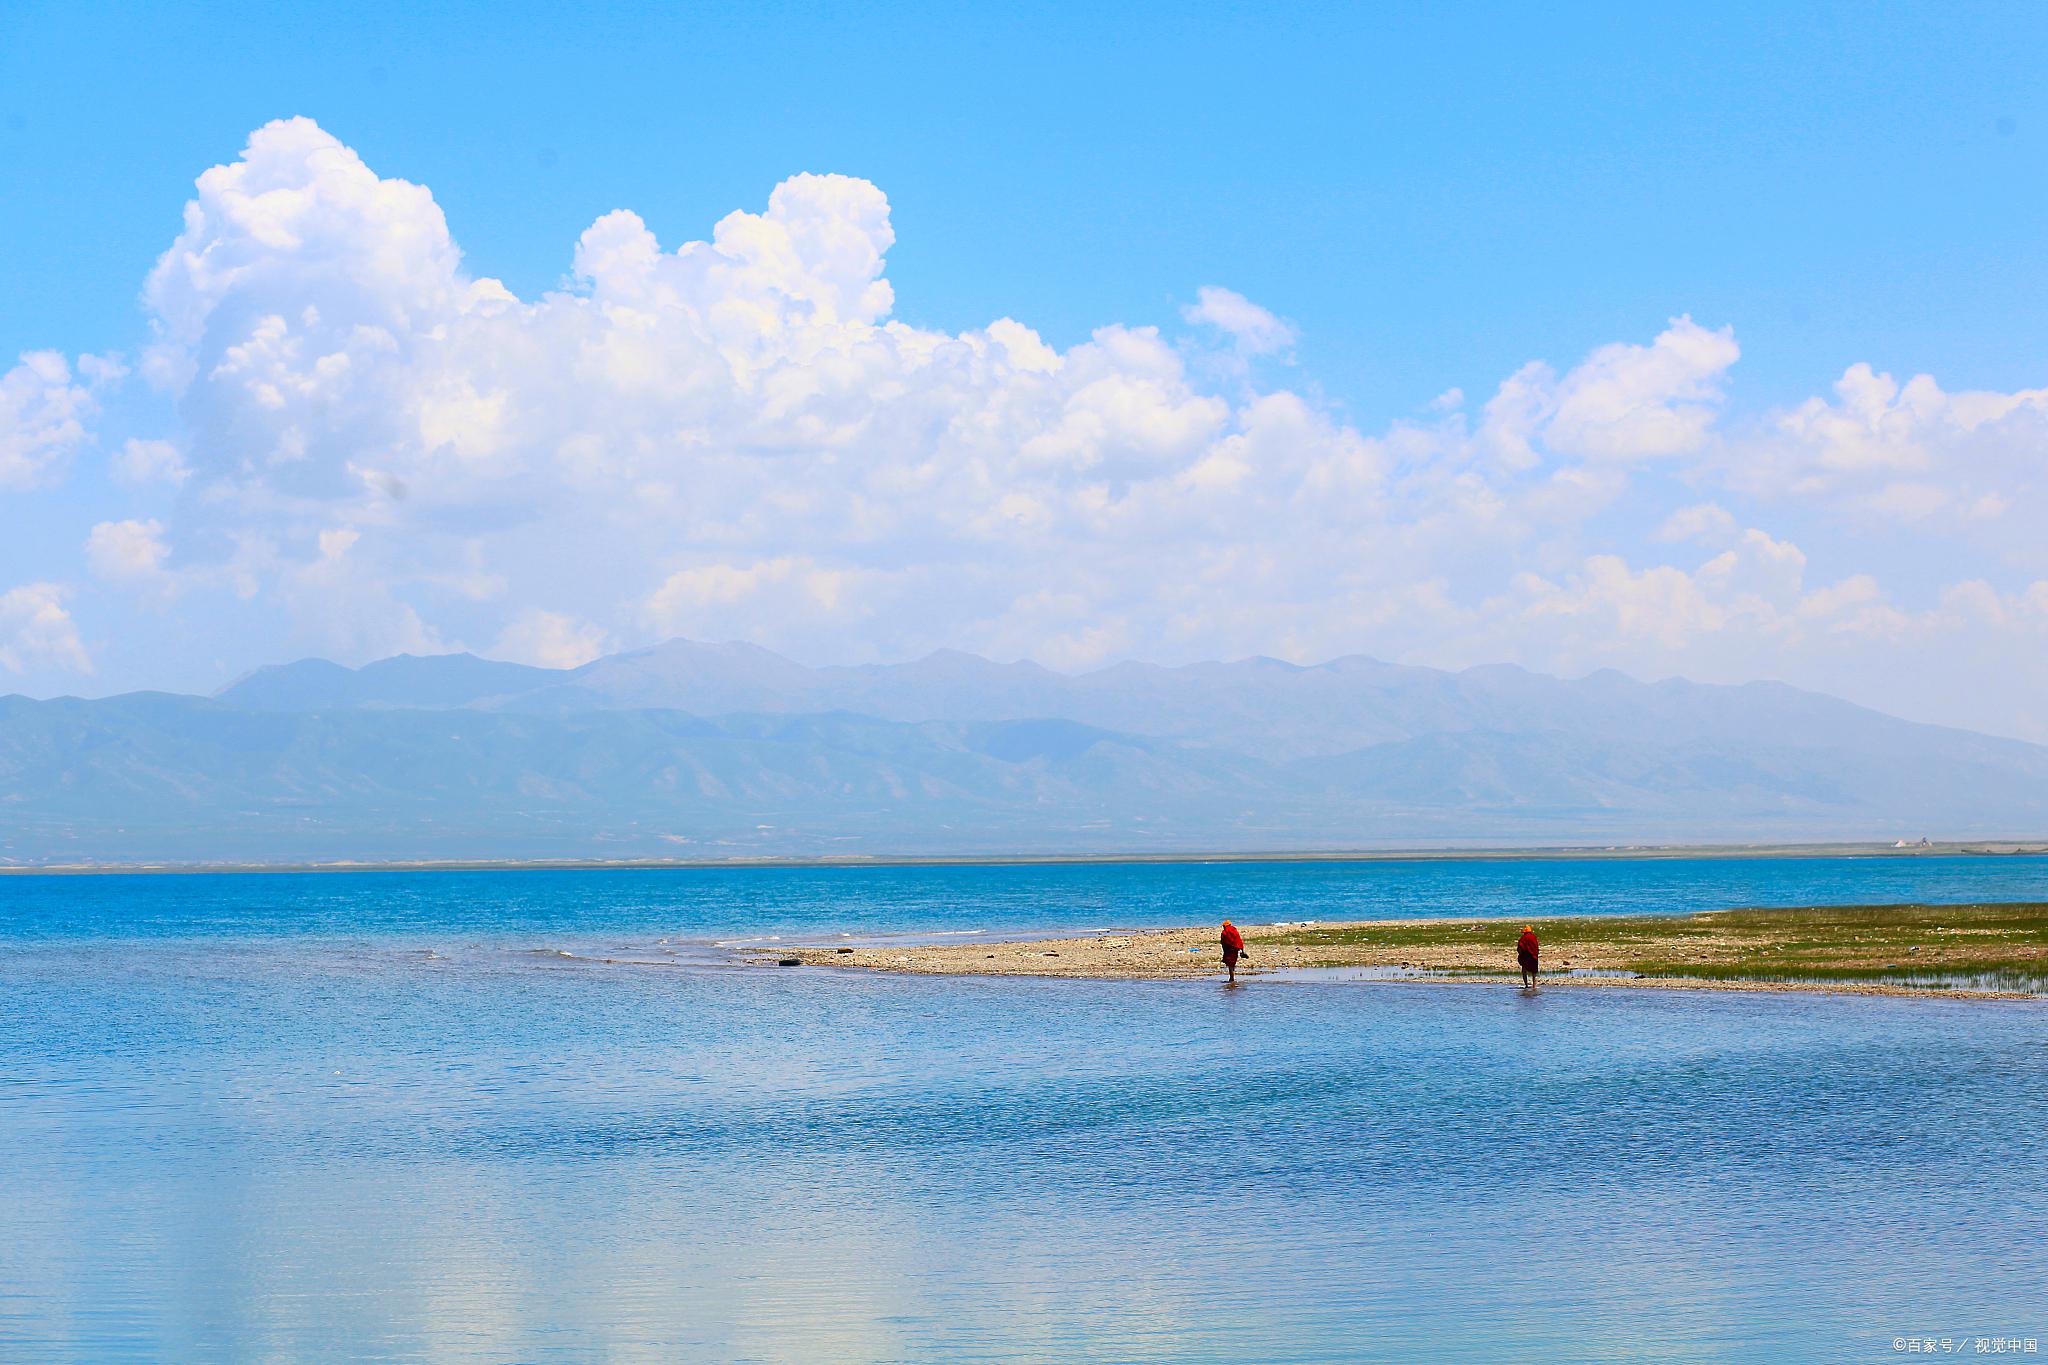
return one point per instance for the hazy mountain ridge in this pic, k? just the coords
(1261, 706)
(706, 750)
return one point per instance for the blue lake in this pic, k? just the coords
(377, 1116)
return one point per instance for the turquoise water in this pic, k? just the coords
(709, 903)
(378, 1116)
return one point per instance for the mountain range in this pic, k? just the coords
(693, 750)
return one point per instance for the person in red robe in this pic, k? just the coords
(1525, 954)
(1233, 949)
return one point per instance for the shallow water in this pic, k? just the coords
(380, 1116)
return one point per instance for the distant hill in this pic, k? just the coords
(690, 749)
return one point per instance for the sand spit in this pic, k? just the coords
(1905, 950)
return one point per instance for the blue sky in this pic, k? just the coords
(1427, 198)
(1434, 193)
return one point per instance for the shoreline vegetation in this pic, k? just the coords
(1988, 950)
(1951, 848)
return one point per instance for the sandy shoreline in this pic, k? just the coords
(1460, 952)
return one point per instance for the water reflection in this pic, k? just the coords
(363, 1150)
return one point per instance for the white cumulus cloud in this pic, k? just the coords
(44, 407)
(142, 461)
(1698, 521)
(1908, 453)
(126, 550)
(550, 639)
(1254, 330)
(1629, 402)
(36, 631)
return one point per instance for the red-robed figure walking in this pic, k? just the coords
(1233, 949)
(1525, 954)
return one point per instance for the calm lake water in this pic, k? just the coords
(379, 1116)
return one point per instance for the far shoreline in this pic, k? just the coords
(1990, 848)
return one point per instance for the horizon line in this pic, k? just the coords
(1989, 848)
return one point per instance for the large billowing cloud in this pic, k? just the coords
(378, 449)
